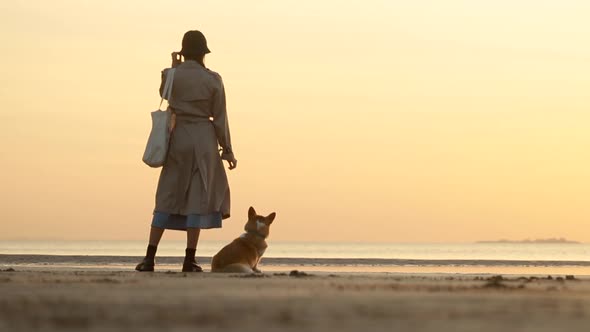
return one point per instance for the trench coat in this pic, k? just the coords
(193, 189)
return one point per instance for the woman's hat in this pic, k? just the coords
(194, 44)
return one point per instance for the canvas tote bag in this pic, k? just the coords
(156, 148)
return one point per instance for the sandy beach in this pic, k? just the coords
(50, 297)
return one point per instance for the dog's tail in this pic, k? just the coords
(234, 268)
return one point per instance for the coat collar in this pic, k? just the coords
(191, 64)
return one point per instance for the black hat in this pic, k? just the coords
(194, 44)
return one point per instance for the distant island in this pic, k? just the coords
(536, 241)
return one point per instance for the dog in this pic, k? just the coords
(243, 254)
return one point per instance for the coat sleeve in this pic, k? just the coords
(220, 121)
(163, 81)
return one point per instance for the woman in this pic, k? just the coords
(193, 192)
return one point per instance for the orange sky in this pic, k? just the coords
(383, 121)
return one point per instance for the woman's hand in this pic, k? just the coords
(172, 123)
(176, 59)
(228, 155)
(233, 163)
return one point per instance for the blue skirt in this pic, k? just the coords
(181, 222)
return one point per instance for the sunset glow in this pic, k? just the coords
(384, 121)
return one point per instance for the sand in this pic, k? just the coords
(58, 298)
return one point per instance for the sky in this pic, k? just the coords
(362, 121)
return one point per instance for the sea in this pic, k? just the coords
(534, 258)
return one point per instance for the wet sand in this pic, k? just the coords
(334, 265)
(57, 298)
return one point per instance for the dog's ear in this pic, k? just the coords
(271, 217)
(251, 213)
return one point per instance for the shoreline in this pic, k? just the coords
(325, 265)
(111, 259)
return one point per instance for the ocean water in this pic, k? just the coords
(310, 250)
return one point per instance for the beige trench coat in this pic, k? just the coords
(193, 190)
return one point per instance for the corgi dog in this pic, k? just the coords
(243, 254)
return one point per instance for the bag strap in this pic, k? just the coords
(167, 92)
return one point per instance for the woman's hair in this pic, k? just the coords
(200, 59)
(194, 46)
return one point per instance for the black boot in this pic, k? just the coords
(190, 264)
(147, 264)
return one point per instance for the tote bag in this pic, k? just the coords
(156, 148)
